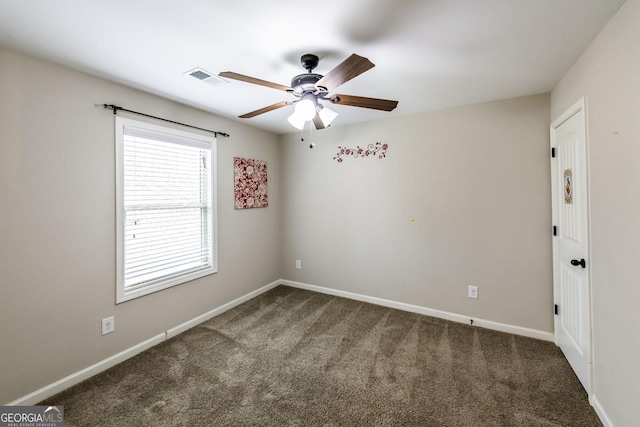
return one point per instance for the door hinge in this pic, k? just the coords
(555, 309)
(553, 151)
(555, 230)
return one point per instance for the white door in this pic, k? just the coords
(571, 267)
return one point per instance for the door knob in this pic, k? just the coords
(581, 263)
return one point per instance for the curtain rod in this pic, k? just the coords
(115, 110)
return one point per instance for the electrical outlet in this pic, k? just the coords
(473, 291)
(298, 264)
(108, 325)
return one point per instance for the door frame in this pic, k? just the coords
(580, 105)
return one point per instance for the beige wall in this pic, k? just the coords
(476, 182)
(57, 225)
(608, 74)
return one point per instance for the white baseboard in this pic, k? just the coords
(77, 377)
(597, 406)
(488, 324)
(216, 311)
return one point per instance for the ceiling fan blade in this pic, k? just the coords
(317, 121)
(351, 67)
(360, 101)
(247, 79)
(265, 110)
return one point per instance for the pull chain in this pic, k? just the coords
(311, 143)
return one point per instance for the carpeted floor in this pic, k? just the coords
(297, 358)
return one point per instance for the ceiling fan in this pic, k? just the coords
(310, 88)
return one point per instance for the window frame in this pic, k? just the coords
(121, 123)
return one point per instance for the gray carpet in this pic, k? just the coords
(297, 358)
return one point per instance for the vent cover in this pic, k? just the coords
(205, 76)
(200, 74)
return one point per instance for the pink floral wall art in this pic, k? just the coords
(250, 183)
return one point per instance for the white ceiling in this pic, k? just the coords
(429, 54)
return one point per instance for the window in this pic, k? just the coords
(165, 201)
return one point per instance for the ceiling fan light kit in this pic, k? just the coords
(311, 88)
(296, 121)
(327, 115)
(306, 107)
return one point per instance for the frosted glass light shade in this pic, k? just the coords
(327, 115)
(296, 121)
(305, 109)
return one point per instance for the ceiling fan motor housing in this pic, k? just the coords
(306, 83)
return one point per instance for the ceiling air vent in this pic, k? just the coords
(200, 74)
(205, 76)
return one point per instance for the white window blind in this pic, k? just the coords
(166, 208)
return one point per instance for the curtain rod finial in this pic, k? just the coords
(112, 107)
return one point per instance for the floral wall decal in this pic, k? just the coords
(373, 150)
(250, 183)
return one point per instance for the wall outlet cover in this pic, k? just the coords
(473, 291)
(108, 325)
